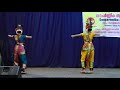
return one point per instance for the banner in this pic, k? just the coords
(104, 23)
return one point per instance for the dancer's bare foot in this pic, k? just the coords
(91, 70)
(23, 71)
(83, 70)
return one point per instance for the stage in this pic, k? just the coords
(71, 73)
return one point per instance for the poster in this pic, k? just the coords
(104, 23)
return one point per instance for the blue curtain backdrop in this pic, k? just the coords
(52, 45)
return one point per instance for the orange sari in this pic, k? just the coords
(87, 52)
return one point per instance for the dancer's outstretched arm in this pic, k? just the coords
(76, 35)
(11, 36)
(28, 36)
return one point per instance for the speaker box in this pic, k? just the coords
(10, 72)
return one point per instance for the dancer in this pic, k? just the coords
(19, 51)
(87, 52)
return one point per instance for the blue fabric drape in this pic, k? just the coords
(6, 55)
(52, 45)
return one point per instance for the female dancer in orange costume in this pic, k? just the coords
(87, 52)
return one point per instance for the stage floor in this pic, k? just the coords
(71, 73)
